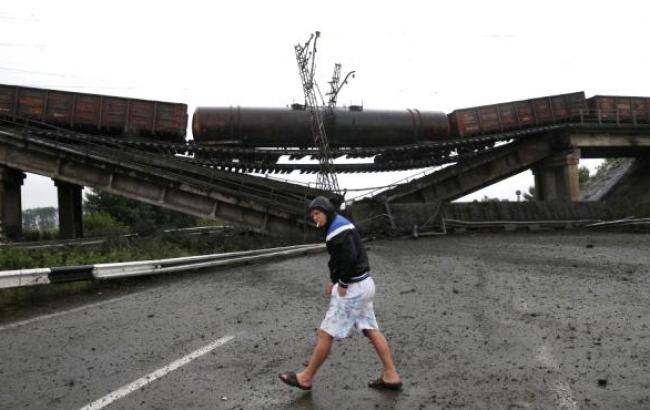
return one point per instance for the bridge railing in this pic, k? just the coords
(614, 117)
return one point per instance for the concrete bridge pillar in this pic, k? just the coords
(556, 178)
(70, 210)
(10, 202)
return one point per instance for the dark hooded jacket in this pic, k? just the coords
(348, 259)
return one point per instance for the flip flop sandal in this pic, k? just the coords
(380, 384)
(291, 379)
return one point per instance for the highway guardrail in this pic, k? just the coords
(43, 276)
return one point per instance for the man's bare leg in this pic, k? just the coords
(378, 340)
(321, 351)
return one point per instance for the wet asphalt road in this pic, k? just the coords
(490, 321)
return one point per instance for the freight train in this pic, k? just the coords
(93, 113)
(291, 127)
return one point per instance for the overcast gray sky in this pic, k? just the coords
(408, 54)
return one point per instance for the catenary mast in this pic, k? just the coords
(306, 58)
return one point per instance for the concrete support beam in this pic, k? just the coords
(586, 139)
(600, 144)
(556, 178)
(465, 177)
(70, 210)
(11, 213)
(239, 198)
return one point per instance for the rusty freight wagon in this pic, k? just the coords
(93, 113)
(619, 109)
(489, 119)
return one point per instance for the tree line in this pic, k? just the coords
(105, 214)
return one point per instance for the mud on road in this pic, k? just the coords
(488, 321)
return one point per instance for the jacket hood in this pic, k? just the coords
(324, 204)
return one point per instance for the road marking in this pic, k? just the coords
(65, 312)
(560, 387)
(543, 355)
(565, 396)
(143, 381)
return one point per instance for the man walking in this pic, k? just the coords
(351, 293)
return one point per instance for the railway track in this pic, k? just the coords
(266, 160)
(247, 159)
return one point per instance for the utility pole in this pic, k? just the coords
(306, 58)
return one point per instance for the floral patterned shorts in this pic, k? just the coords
(354, 310)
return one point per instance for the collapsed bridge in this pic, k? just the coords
(137, 149)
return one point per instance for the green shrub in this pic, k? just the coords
(140, 217)
(49, 234)
(118, 249)
(11, 259)
(32, 235)
(641, 210)
(103, 224)
(211, 222)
